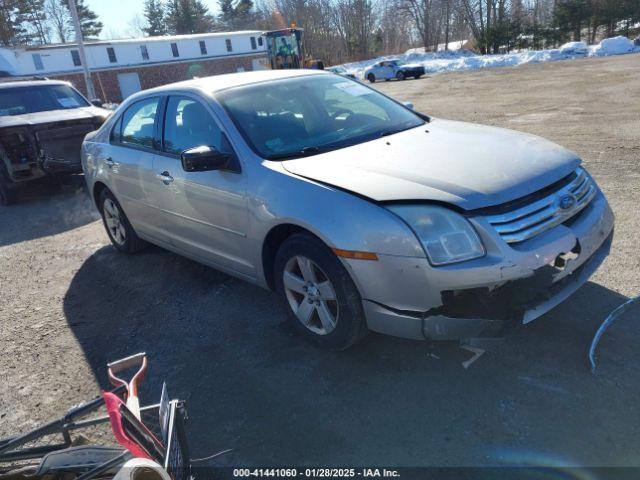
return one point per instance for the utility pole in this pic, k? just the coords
(91, 93)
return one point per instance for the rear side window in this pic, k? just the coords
(138, 123)
(188, 124)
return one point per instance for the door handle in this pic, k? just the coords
(109, 162)
(165, 177)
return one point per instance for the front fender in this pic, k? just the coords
(340, 219)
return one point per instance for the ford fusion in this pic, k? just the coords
(361, 213)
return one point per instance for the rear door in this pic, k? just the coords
(205, 213)
(129, 164)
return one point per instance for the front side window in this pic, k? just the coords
(75, 56)
(138, 123)
(260, 41)
(188, 124)
(253, 43)
(42, 98)
(312, 114)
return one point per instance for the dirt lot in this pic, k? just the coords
(70, 303)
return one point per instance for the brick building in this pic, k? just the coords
(122, 67)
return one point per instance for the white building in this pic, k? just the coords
(122, 67)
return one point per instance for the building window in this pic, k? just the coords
(174, 49)
(37, 61)
(253, 43)
(144, 52)
(203, 47)
(75, 56)
(259, 41)
(112, 55)
(229, 47)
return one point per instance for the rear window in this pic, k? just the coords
(40, 98)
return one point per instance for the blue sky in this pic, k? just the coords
(117, 15)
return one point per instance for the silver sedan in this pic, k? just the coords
(361, 213)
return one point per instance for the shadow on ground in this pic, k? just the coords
(253, 386)
(52, 207)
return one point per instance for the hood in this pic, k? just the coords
(462, 164)
(39, 118)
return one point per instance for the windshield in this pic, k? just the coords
(41, 98)
(312, 114)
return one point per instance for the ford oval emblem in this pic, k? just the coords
(567, 202)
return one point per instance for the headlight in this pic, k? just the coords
(446, 236)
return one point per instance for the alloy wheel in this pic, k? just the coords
(114, 224)
(311, 295)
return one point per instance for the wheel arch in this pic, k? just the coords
(276, 236)
(98, 188)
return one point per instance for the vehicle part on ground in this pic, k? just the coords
(64, 446)
(117, 225)
(322, 302)
(615, 314)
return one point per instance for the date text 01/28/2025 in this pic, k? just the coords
(315, 473)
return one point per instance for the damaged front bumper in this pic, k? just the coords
(510, 286)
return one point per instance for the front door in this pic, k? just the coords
(205, 212)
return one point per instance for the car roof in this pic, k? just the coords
(30, 83)
(216, 83)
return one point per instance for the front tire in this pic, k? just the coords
(400, 76)
(322, 302)
(117, 225)
(371, 77)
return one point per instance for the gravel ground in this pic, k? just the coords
(70, 303)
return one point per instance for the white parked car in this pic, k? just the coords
(388, 69)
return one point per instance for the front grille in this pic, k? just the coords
(523, 223)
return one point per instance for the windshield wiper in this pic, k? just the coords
(303, 152)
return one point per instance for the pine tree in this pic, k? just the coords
(155, 15)
(236, 16)
(89, 23)
(188, 16)
(12, 30)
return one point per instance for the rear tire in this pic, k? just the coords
(417, 77)
(371, 77)
(8, 194)
(117, 225)
(322, 302)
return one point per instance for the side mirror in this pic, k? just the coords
(408, 105)
(96, 102)
(203, 159)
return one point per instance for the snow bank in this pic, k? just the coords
(465, 60)
(613, 46)
(574, 48)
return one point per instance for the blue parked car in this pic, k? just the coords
(388, 69)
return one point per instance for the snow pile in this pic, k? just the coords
(464, 60)
(613, 46)
(574, 48)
